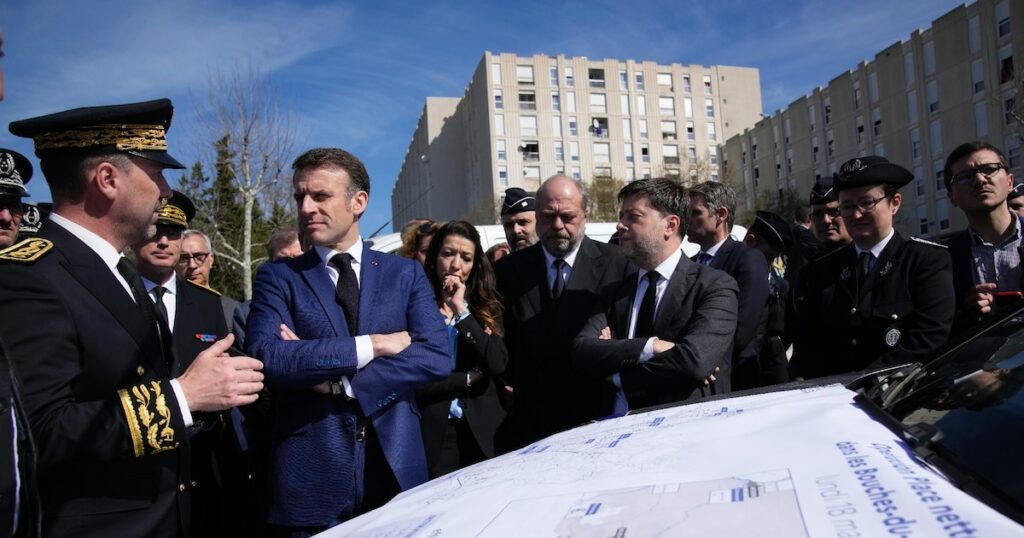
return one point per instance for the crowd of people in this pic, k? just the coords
(138, 401)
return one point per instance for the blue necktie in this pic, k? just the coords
(704, 258)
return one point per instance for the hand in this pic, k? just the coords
(606, 334)
(661, 346)
(711, 377)
(386, 345)
(216, 381)
(453, 291)
(287, 334)
(978, 300)
(474, 376)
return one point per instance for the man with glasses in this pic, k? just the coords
(883, 300)
(986, 256)
(195, 264)
(826, 222)
(15, 172)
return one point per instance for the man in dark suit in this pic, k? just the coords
(827, 224)
(712, 211)
(665, 330)
(15, 172)
(519, 218)
(771, 235)
(881, 301)
(549, 290)
(804, 245)
(109, 416)
(345, 333)
(986, 256)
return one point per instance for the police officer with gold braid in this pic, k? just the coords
(109, 416)
(883, 300)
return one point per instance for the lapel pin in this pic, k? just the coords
(886, 268)
(206, 337)
(845, 275)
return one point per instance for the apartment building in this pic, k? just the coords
(918, 99)
(525, 118)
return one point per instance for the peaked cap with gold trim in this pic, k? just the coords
(177, 211)
(15, 171)
(138, 129)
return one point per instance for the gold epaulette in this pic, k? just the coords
(26, 251)
(207, 288)
(149, 418)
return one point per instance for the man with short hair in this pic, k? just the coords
(986, 256)
(827, 224)
(1015, 200)
(712, 211)
(518, 218)
(549, 290)
(109, 416)
(345, 333)
(195, 264)
(881, 301)
(666, 329)
(803, 246)
(15, 172)
(772, 236)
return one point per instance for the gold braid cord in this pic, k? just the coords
(123, 137)
(149, 418)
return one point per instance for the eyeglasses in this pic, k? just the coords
(832, 212)
(967, 175)
(865, 206)
(199, 257)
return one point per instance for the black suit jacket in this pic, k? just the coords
(800, 253)
(481, 409)
(112, 445)
(900, 313)
(697, 313)
(18, 489)
(550, 395)
(199, 315)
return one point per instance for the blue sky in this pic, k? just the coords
(356, 73)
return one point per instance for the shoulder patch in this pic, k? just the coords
(927, 242)
(26, 251)
(202, 287)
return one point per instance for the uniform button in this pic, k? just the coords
(140, 370)
(194, 483)
(181, 487)
(853, 310)
(350, 421)
(895, 316)
(853, 342)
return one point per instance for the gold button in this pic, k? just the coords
(194, 483)
(853, 342)
(895, 316)
(853, 310)
(140, 370)
(181, 487)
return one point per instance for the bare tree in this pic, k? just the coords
(252, 137)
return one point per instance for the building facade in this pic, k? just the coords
(917, 100)
(523, 119)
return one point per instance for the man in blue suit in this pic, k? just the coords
(345, 334)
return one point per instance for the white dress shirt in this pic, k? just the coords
(364, 346)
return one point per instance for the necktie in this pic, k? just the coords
(131, 275)
(866, 261)
(645, 316)
(347, 290)
(704, 258)
(161, 308)
(559, 285)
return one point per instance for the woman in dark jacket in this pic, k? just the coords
(461, 414)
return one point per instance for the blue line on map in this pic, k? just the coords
(592, 509)
(657, 421)
(543, 448)
(588, 441)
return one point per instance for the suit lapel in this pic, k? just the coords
(319, 282)
(369, 286)
(623, 307)
(588, 268)
(848, 272)
(723, 254)
(672, 300)
(883, 265)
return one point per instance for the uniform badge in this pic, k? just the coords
(206, 337)
(26, 251)
(892, 337)
(886, 268)
(845, 275)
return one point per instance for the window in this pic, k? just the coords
(570, 102)
(671, 155)
(931, 93)
(598, 103)
(691, 152)
(629, 153)
(556, 126)
(908, 69)
(879, 150)
(559, 151)
(627, 130)
(912, 113)
(503, 176)
(499, 102)
(786, 130)
(1012, 145)
(712, 135)
(686, 83)
(602, 152)
(922, 218)
(668, 130)
(873, 87)
(753, 150)
(688, 107)
(596, 78)
(499, 124)
(665, 80)
(527, 125)
(829, 143)
(713, 155)
(553, 72)
(1003, 18)
(524, 74)
(531, 172)
(531, 151)
(915, 144)
(789, 161)
(641, 105)
(860, 130)
(667, 106)
(974, 34)
(827, 105)
(599, 127)
(977, 76)
(646, 173)
(645, 153)
(811, 115)
(814, 149)
(928, 52)
(527, 101)
(942, 214)
(630, 174)
(856, 94)
(556, 102)
(1006, 72)
(573, 126)
(602, 171)
(642, 124)
(919, 179)
(876, 122)
(707, 85)
(709, 110)
(1009, 110)
(500, 146)
(570, 80)
(495, 73)
(623, 80)
(935, 137)
(639, 76)
(980, 119)
(576, 172)
(690, 135)
(624, 104)
(574, 150)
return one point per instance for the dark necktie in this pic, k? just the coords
(865, 262)
(347, 290)
(704, 258)
(559, 285)
(161, 308)
(645, 316)
(145, 304)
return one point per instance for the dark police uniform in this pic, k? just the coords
(111, 439)
(772, 336)
(899, 312)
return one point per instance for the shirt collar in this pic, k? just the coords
(356, 251)
(570, 258)
(97, 244)
(1013, 234)
(714, 249)
(876, 250)
(171, 285)
(667, 267)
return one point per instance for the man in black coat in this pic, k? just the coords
(110, 418)
(712, 211)
(549, 290)
(881, 301)
(665, 333)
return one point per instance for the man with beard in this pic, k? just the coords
(109, 416)
(519, 218)
(549, 290)
(15, 172)
(986, 256)
(826, 222)
(665, 330)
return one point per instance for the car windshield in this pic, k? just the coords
(970, 404)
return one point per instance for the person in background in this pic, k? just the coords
(519, 218)
(461, 414)
(195, 264)
(802, 248)
(410, 240)
(15, 172)
(826, 222)
(1015, 200)
(498, 252)
(771, 235)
